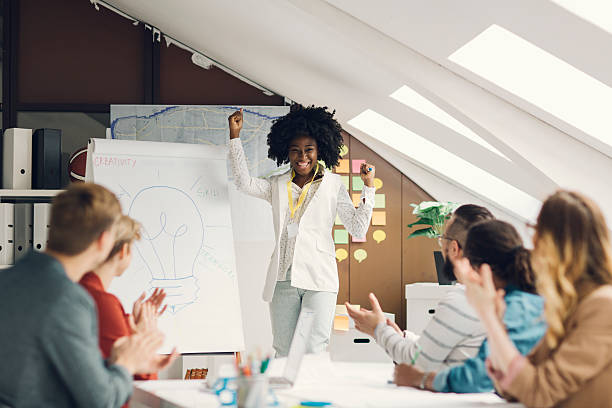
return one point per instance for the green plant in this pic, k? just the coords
(434, 214)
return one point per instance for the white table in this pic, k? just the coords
(347, 385)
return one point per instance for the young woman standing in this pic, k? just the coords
(305, 201)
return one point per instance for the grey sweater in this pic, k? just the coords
(49, 354)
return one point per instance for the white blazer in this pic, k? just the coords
(314, 258)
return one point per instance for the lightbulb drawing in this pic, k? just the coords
(172, 238)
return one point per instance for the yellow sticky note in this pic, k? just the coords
(345, 180)
(379, 201)
(343, 150)
(378, 183)
(338, 221)
(341, 309)
(356, 199)
(341, 254)
(360, 255)
(343, 167)
(341, 323)
(379, 218)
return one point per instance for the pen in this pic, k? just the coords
(416, 355)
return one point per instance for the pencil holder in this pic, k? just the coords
(253, 392)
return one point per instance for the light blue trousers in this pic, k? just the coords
(285, 308)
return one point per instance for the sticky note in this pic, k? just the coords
(360, 255)
(343, 150)
(358, 239)
(357, 166)
(379, 236)
(379, 218)
(338, 221)
(341, 322)
(341, 236)
(343, 166)
(378, 183)
(379, 201)
(356, 199)
(357, 183)
(345, 180)
(341, 254)
(341, 309)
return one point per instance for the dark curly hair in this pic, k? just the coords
(312, 121)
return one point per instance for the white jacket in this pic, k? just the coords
(314, 259)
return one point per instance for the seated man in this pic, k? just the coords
(455, 333)
(49, 342)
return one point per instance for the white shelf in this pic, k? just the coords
(28, 193)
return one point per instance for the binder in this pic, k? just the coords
(17, 159)
(23, 230)
(46, 159)
(40, 234)
(7, 233)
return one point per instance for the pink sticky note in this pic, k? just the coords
(358, 239)
(357, 166)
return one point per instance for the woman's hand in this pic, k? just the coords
(235, 124)
(156, 299)
(366, 320)
(367, 174)
(145, 321)
(480, 289)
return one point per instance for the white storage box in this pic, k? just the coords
(421, 303)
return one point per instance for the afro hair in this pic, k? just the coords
(312, 121)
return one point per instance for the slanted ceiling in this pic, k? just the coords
(353, 55)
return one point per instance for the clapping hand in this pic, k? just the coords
(366, 320)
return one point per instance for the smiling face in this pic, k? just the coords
(303, 155)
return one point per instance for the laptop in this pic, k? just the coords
(302, 333)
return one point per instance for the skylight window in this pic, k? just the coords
(541, 79)
(416, 101)
(597, 12)
(446, 163)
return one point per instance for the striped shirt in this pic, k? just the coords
(452, 336)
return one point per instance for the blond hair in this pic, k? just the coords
(571, 248)
(127, 230)
(79, 215)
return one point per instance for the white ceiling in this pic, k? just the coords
(352, 55)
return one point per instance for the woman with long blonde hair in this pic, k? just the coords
(572, 260)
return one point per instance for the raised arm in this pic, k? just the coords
(253, 186)
(357, 220)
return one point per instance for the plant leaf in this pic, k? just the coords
(424, 232)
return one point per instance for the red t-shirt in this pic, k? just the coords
(112, 319)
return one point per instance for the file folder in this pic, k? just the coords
(17, 159)
(47, 159)
(42, 213)
(7, 233)
(23, 229)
